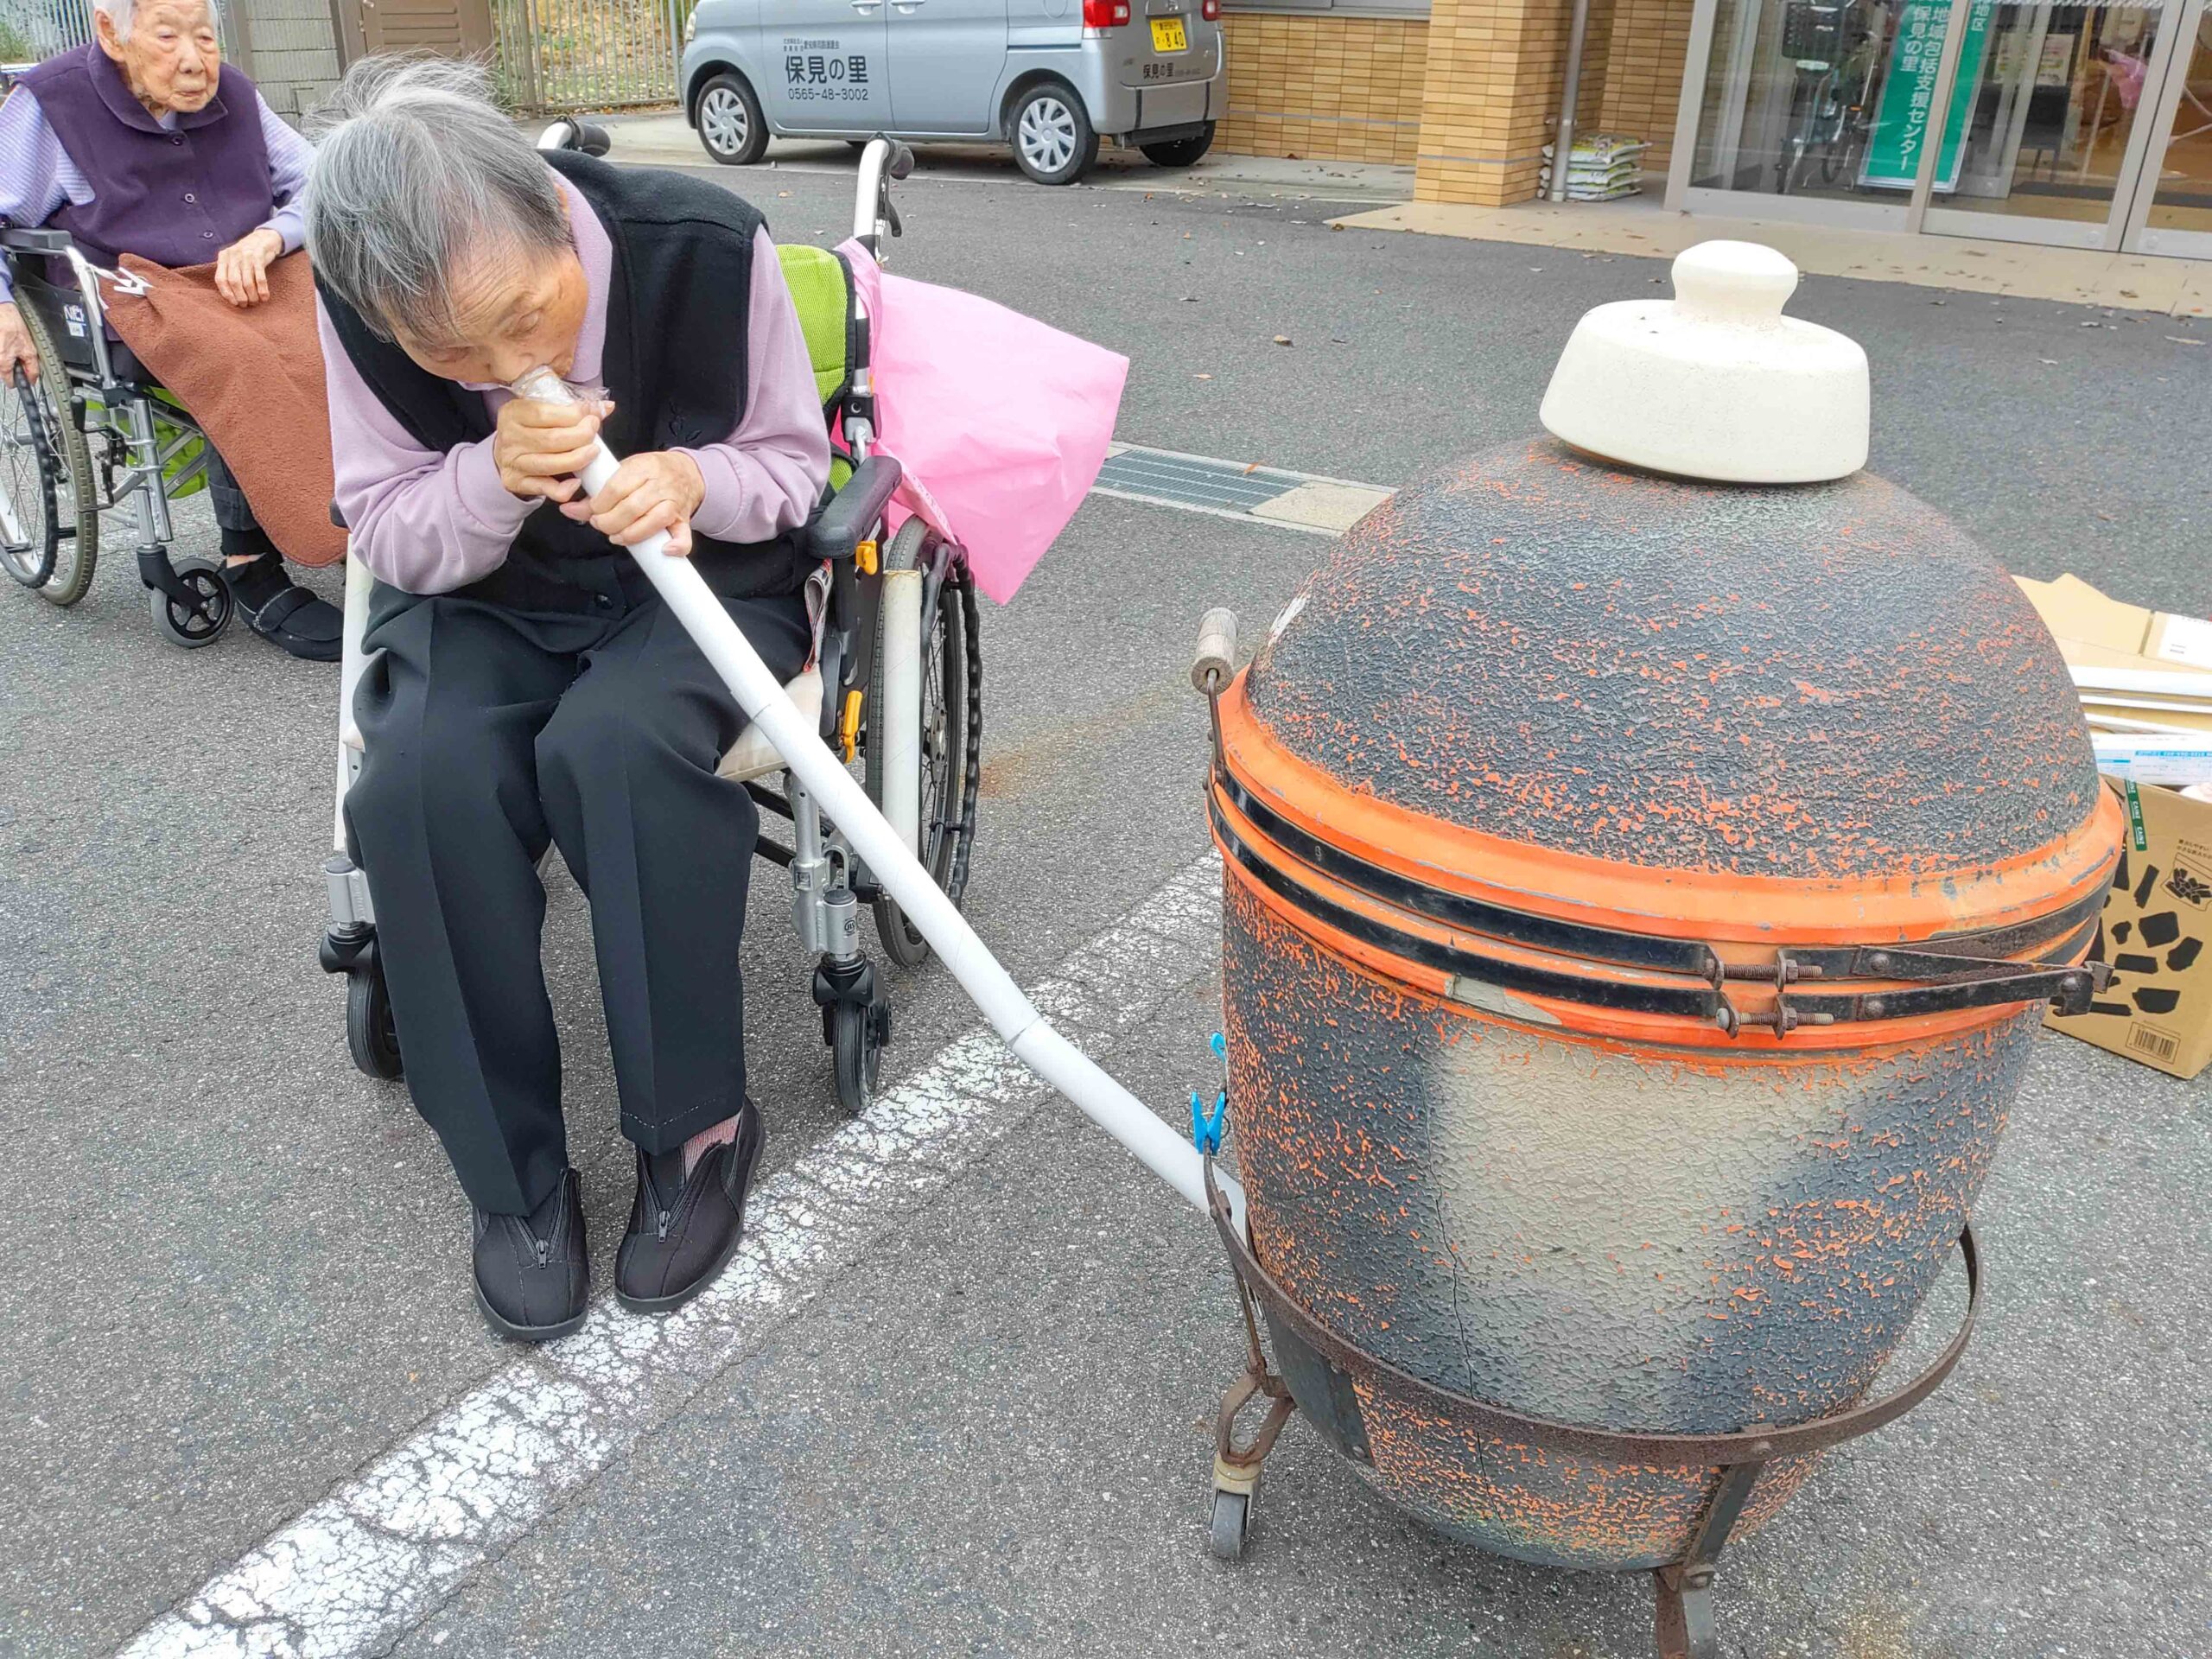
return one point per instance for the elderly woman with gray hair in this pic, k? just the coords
(529, 685)
(143, 141)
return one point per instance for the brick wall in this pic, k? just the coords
(1331, 88)
(1495, 68)
(1643, 87)
(1469, 97)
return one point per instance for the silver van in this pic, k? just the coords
(1048, 77)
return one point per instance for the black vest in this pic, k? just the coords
(679, 288)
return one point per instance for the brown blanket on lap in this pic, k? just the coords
(253, 380)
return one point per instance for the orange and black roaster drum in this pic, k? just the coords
(1564, 817)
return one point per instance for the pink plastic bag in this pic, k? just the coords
(1001, 422)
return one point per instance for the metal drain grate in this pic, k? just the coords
(1193, 480)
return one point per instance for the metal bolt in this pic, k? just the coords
(1874, 1006)
(1878, 960)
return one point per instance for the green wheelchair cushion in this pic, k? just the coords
(823, 292)
(166, 433)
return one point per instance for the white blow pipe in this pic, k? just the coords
(1012, 1014)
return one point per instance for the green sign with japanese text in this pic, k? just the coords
(1900, 133)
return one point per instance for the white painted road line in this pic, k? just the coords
(380, 1554)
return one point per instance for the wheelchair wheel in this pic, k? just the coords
(45, 467)
(946, 813)
(201, 621)
(369, 1032)
(856, 1051)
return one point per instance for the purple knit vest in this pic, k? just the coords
(175, 198)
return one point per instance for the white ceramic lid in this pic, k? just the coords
(1715, 382)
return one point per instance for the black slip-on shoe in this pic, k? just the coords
(287, 615)
(684, 1231)
(532, 1271)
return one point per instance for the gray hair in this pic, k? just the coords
(414, 170)
(120, 12)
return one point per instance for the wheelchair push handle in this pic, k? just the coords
(586, 137)
(874, 216)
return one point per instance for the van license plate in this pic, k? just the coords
(1167, 35)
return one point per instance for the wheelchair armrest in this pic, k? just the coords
(36, 241)
(852, 512)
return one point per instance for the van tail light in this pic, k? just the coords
(1211, 10)
(1105, 13)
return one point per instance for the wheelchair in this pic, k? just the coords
(860, 711)
(92, 436)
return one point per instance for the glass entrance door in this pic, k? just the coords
(2173, 209)
(2083, 124)
(2052, 122)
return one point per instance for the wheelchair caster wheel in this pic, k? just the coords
(857, 1046)
(369, 1032)
(1232, 1515)
(202, 621)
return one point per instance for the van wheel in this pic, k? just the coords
(1179, 152)
(1053, 140)
(730, 125)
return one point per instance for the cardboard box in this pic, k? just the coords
(2144, 676)
(2145, 686)
(2095, 630)
(2157, 934)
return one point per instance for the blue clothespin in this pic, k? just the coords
(1206, 1127)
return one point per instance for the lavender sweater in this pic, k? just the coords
(37, 175)
(428, 523)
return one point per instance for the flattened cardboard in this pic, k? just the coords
(2095, 630)
(2157, 934)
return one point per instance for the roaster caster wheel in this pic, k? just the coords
(1232, 1514)
(369, 1032)
(856, 1044)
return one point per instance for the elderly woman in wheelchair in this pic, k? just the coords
(142, 142)
(521, 684)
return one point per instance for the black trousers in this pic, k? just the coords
(232, 510)
(488, 731)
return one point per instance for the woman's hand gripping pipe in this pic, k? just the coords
(1030, 1037)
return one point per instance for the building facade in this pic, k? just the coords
(2081, 125)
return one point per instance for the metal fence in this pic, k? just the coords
(556, 55)
(34, 30)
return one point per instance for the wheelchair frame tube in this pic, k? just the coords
(1031, 1038)
(899, 639)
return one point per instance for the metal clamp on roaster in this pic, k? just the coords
(1684, 977)
(1941, 984)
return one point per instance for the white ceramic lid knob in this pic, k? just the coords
(1715, 382)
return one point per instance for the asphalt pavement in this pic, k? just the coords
(235, 1273)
